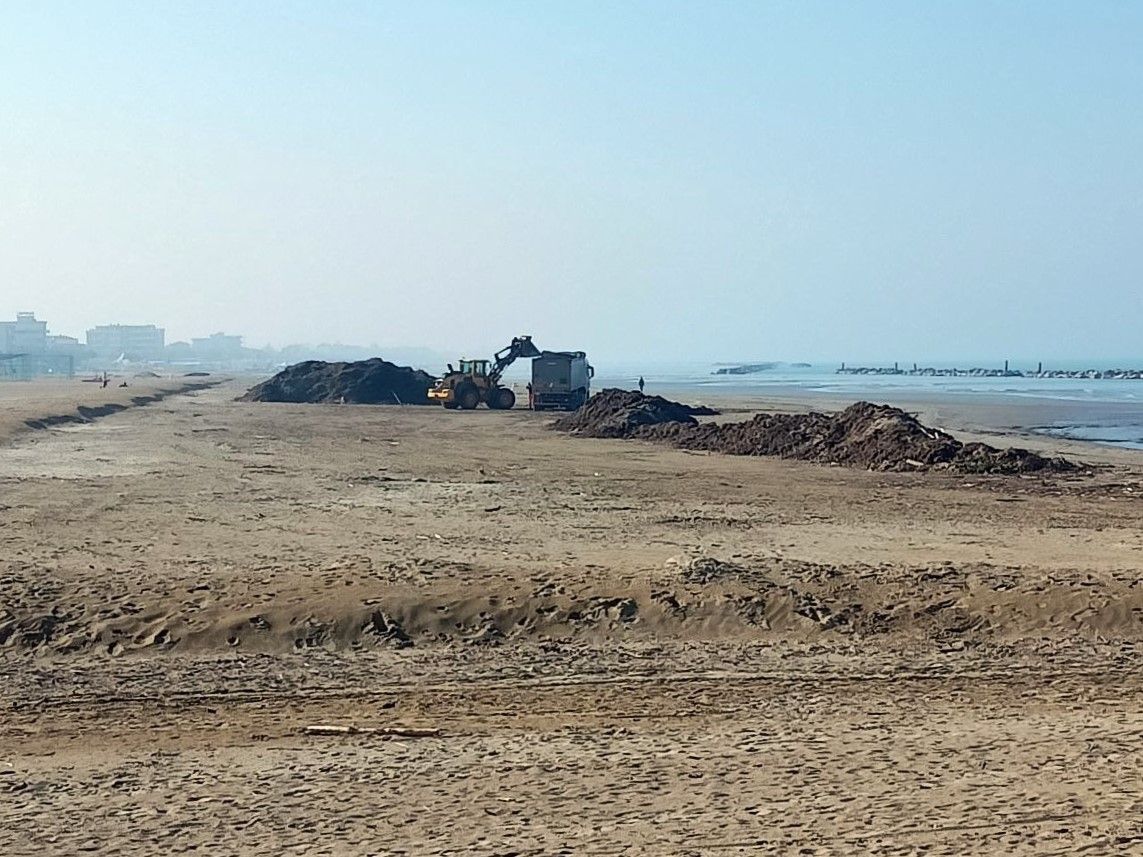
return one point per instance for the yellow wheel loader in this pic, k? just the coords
(478, 381)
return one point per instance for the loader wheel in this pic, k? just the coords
(467, 397)
(503, 399)
(450, 405)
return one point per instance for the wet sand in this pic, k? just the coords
(625, 648)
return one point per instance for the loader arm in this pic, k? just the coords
(521, 347)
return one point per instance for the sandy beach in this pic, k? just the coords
(552, 645)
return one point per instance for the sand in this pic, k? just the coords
(625, 648)
(26, 405)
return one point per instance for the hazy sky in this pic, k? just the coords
(915, 180)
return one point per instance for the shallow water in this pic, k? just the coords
(1125, 435)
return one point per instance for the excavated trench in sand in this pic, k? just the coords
(89, 413)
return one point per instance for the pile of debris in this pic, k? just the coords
(875, 437)
(363, 382)
(622, 413)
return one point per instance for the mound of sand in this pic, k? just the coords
(362, 382)
(875, 437)
(621, 413)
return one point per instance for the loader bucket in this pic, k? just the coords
(526, 348)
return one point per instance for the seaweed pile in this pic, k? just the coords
(865, 435)
(362, 382)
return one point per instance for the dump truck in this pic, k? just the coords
(477, 381)
(561, 380)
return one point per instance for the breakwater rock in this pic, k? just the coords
(978, 372)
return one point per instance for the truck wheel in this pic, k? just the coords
(467, 397)
(505, 399)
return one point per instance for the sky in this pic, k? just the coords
(659, 180)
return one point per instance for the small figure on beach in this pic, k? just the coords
(641, 383)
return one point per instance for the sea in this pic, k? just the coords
(1108, 412)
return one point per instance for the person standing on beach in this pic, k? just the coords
(641, 383)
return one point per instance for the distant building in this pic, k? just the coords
(133, 341)
(179, 352)
(25, 335)
(59, 345)
(26, 350)
(217, 346)
(59, 342)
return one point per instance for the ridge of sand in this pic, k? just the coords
(40, 405)
(765, 599)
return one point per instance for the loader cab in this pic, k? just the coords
(474, 367)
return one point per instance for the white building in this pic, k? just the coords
(25, 335)
(217, 346)
(133, 341)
